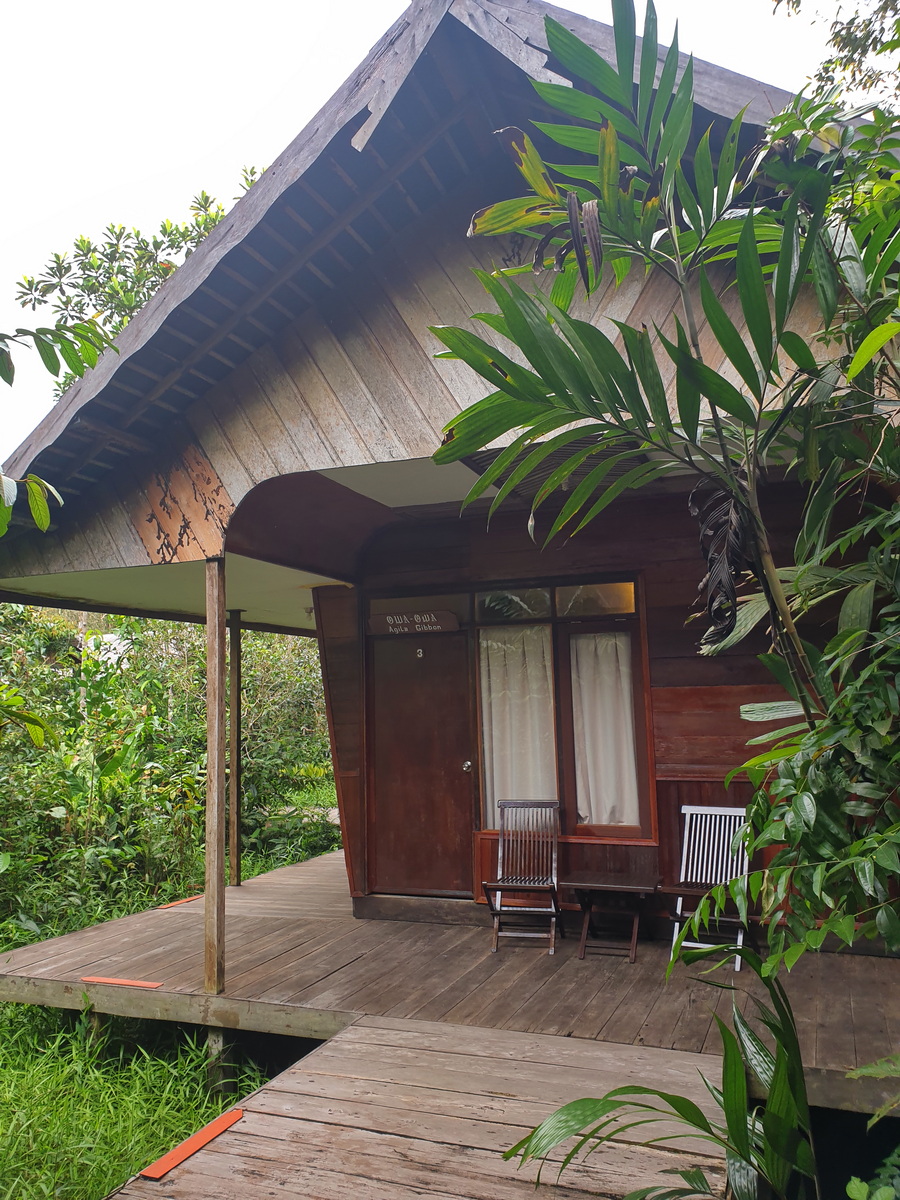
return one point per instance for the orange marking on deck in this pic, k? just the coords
(119, 982)
(194, 1143)
(184, 900)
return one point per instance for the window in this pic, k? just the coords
(560, 675)
(517, 716)
(606, 783)
(561, 706)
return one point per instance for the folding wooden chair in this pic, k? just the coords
(707, 858)
(526, 868)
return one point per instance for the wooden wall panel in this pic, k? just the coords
(699, 735)
(209, 434)
(699, 730)
(307, 440)
(181, 509)
(121, 534)
(318, 397)
(356, 382)
(168, 507)
(341, 656)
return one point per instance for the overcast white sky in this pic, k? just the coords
(121, 113)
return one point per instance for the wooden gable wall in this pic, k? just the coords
(353, 382)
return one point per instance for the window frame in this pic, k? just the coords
(562, 627)
(565, 742)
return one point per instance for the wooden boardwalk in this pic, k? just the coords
(298, 963)
(397, 1110)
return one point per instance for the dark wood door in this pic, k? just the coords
(421, 798)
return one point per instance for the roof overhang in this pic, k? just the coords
(268, 596)
(273, 560)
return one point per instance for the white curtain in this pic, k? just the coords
(606, 773)
(517, 716)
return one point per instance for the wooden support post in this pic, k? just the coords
(97, 1028)
(214, 914)
(220, 1064)
(234, 748)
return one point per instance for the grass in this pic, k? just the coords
(80, 1115)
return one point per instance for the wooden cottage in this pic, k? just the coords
(258, 453)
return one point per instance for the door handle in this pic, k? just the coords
(467, 766)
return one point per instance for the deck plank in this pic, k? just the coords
(456, 991)
(431, 978)
(397, 1109)
(835, 1041)
(298, 961)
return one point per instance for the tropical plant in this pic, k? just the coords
(883, 1068)
(785, 215)
(825, 811)
(818, 203)
(14, 712)
(754, 243)
(768, 1143)
(115, 803)
(78, 343)
(81, 1113)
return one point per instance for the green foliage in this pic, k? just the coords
(817, 204)
(813, 214)
(80, 1114)
(885, 1185)
(825, 812)
(37, 491)
(884, 1068)
(298, 825)
(13, 712)
(108, 820)
(78, 342)
(769, 1143)
(101, 285)
(115, 801)
(864, 45)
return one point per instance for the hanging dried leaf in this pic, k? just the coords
(591, 221)
(559, 262)
(723, 544)
(574, 208)
(540, 252)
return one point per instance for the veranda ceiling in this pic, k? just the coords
(268, 596)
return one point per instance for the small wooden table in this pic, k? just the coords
(622, 895)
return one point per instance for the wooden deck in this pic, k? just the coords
(298, 963)
(394, 1110)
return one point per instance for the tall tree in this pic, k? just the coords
(111, 279)
(865, 47)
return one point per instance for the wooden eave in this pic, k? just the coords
(403, 131)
